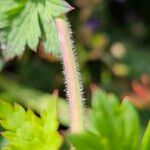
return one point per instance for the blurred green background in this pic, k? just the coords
(112, 38)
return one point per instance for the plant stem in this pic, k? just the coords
(73, 84)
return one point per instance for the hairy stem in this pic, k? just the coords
(73, 84)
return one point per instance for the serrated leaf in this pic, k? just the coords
(25, 22)
(146, 139)
(25, 130)
(37, 100)
(117, 125)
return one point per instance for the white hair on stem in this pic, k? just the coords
(73, 81)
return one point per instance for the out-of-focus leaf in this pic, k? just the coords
(146, 139)
(140, 97)
(37, 100)
(131, 126)
(88, 141)
(3, 142)
(24, 130)
(112, 126)
(1, 64)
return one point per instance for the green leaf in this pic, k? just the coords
(24, 130)
(37, 100)
(111, 125)
(131, 126)
(51, 42)
(88, 141)
(146, 139)
(26, 22)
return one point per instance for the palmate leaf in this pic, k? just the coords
(112, 126)
(24, 130)
(25, 22)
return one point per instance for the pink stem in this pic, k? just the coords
(73, 85)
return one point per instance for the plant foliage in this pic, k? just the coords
(112, 126)
(146, 139)
(24, 130)
(25, 22)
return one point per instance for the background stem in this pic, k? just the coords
(73, 84)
